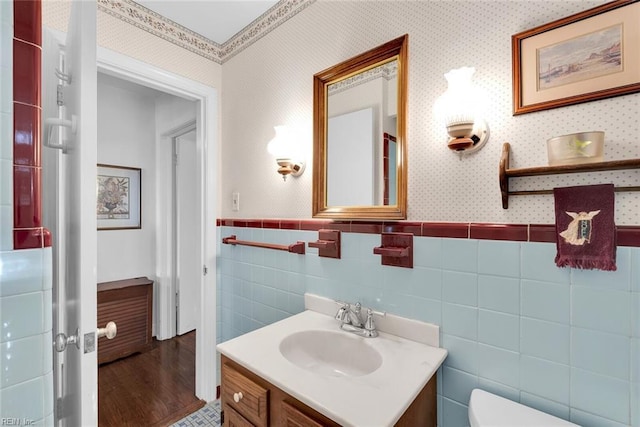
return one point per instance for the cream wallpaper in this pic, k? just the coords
(271, 83)
(124, 37)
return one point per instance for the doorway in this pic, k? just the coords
(81, 378)
(186, 230)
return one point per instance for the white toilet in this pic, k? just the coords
(489, 410)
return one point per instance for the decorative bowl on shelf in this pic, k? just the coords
(576, 148)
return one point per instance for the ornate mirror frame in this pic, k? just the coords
(393, 50)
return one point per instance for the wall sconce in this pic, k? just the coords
(460, 107)
(284, 149)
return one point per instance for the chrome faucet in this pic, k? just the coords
(351, 320)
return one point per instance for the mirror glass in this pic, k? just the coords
(359, 144)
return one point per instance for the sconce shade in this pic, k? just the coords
(460, 108)
(283, 148)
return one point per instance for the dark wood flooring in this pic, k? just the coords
(154, 388)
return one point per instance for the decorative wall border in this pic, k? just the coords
(545, 233)
(160, 26)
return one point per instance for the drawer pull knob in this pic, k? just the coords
(237, 397)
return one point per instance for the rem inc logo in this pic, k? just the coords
(11, 421)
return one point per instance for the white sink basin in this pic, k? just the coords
(331, 353)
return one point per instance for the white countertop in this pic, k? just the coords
(382, 396)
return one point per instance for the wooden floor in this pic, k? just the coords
(154, 388)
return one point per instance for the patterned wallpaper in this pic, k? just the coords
(270, 84)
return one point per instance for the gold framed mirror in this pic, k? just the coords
(359, 136)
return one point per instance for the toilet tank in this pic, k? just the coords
(486, 409)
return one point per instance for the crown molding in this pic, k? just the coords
(156, 24)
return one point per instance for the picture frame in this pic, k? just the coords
(594, 54)
(118, 197)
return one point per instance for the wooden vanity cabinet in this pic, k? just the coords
(263, 404)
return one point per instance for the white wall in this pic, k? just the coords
(271, 83)
(127, 137)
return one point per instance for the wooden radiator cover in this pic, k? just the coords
(128, 303)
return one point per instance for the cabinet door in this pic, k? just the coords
(234, 419)
(247, 397)
(293, 417)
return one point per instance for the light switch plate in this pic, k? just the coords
(235, 201)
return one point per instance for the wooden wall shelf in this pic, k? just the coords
(505, 173)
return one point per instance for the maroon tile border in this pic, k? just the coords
(626, 235)
(445, 229)
(28, 232)
(27, 21)
(512, 232)
(545, 233)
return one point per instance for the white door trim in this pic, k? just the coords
(127, 68)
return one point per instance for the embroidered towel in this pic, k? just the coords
(585, 228)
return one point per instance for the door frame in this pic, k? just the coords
(127, 68)
(170, 139)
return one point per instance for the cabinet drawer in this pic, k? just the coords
(293, 417)
(253, 404)
(234, 419)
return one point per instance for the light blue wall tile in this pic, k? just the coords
(545, 405)
(21, 360)
(427, 310)
(454, 414)
(463, 353)
(22, 316)
(538, 263)
(635, 404)
(366, 244)
(546, 301)
(585, 419)
(608, 397)
(460, 255)
(601, 309)
(499, 329)
(460, 288)
(22, 271)
(593, 350)
(296, 283)
(619, 279)
(457, 385)
(282, 300)
(371, 273)
(545, 379)
(499, 258)
(498, 389)
(460, 320)
(635, 360)
(429, 284)
(499, 293)
(499, 365)
(24, 400)
(349, 245)
(635, 314)
(635, 269)
(400, 280)
(427, 252)
(399, 304)
(546, 340)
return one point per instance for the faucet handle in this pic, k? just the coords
(369, 324)
(341, 314)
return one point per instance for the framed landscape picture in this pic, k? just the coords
(119, 195)
(591, 55)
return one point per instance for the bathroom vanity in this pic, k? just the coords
(263, 404)
(305, 371)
